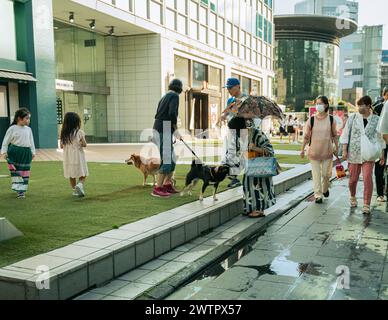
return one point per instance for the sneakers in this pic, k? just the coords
(381, 199)
(160, 192)
(79, 188)
(169, 188)
(319, 200)
(234, 183)
(326, 194)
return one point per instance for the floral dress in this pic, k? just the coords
(259, 193)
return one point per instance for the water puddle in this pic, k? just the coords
(281, 265)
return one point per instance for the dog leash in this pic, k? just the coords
(191, 150)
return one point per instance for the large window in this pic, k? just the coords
(80, 57)
(199, 74)
(7, 27)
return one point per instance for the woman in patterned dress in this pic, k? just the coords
(259, 193)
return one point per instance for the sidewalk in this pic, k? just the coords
(300, 256)
(118, 153)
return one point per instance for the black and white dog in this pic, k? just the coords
(210, 175)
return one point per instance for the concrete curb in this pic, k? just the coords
(218, 254)
(66, 272)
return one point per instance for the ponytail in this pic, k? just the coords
(20, 114)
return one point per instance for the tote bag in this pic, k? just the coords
(369, 151)
(262, 167)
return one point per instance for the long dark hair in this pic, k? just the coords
(20, 114)
(71, 124)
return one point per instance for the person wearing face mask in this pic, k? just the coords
(320, 134)
(362, 145)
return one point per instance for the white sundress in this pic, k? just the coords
(74, 161)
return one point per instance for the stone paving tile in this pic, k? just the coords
(264, 290)
(383, 294)
(134, 275)
(215, 294)
(194, 254)
(301, 254)
(315, 241)
(236, 279)
(311, 288)
(90, 296)
(186, 247)
(131, 290)
(110, 287)
(154, 277)
(186, 293)
(171, 255)
(154, 264)
(173, 267)
(115, 298)
(355, 293)
(319, 228)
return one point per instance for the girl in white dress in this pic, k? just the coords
(73, 143)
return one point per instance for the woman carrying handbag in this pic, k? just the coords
(362, 146)
(259, 192)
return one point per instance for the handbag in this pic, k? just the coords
(369, 151)
(262, 167)
(340, 170)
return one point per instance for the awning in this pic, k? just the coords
(24, 76)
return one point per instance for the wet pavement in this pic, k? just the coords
(316, 252)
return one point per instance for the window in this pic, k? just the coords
(123, 4)
(170, 3)
(246, 85)
(7, 27)
(182, 24)
(213, 21)
(212, 38)
(203, 34)
(193, 29)
(182, 7)
(203, 15)
(194, 10)
(170, 19)
(199, 74)
(141, 8)
(156, 12)
(220, 26)
(220, 42)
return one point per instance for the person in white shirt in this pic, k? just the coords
(382, 127)
(18, 149)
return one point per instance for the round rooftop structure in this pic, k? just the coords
(313, 27)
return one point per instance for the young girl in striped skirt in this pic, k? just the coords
(18, 149)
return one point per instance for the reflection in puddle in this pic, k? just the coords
(280, 265)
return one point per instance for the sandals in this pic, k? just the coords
(353, 202)
(366, 209)
(256, 214)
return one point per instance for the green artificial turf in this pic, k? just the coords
(50, 217)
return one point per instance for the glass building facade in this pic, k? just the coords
(243, 28)
(80, 60)
(308, 58)
(313, 70)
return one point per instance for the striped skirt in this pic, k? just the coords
(259, 194)
(19, 164)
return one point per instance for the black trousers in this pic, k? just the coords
(380, 177)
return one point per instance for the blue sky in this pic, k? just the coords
(371, 12)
